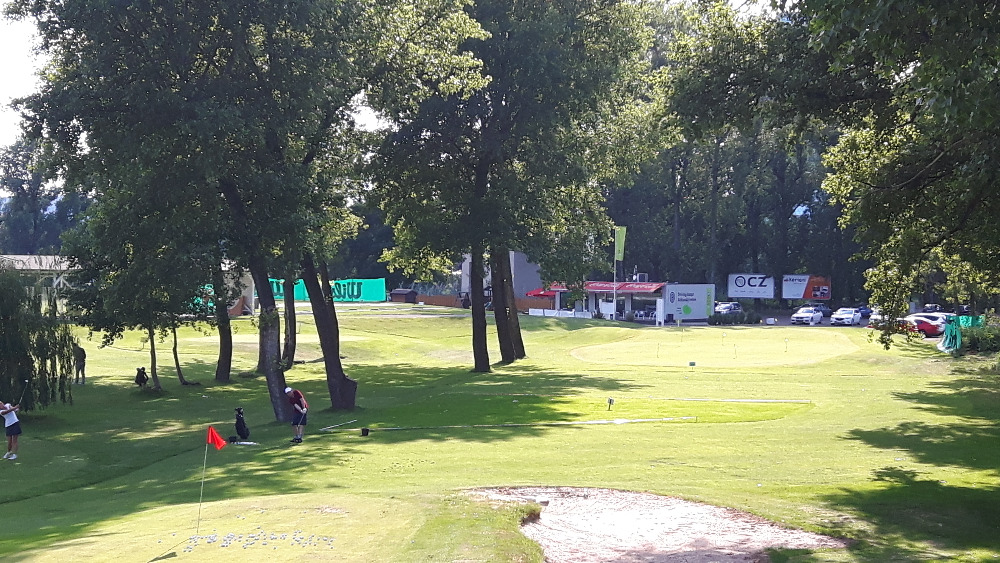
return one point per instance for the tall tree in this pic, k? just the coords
(742, 171)
(146, 276)
(915, 175)
(36, 348)
(241, 100)
(497, 167)
(33, 215)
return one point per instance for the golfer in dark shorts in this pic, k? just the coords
(298, 402)
(12, 426)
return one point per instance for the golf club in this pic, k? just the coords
(22, 392)
(336, 425)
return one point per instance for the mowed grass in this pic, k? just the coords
(813, 427)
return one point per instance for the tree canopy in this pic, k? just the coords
(36, 348)
(511, 165)
(243, 104)
(917, 176)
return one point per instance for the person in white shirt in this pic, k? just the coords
(13, 428)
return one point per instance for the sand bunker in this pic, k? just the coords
(599, 525)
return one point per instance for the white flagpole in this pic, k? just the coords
(202, 495)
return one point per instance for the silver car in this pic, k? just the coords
(846, 316)
(807, 316)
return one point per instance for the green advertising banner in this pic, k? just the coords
(359, 290)
(619, 243)
(343, 290)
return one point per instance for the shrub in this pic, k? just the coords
(983, 339)
(743, 318)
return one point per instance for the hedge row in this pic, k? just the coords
(744, 318)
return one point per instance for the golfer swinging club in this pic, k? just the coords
(298, 401)
(12, 426)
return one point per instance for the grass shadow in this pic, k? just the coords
(905, 506)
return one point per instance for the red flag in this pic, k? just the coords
(215, 439)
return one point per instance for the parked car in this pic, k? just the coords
(865, 311)
(924, 327)
(936, 318)
(876, 316)
(821, 307)
(807, 315)
(932, 308)
(728, 308)
(846, 316)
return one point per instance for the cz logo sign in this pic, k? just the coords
(751, 285)
(751, 281)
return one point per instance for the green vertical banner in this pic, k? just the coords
(619, 243)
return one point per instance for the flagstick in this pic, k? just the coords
(202, 495)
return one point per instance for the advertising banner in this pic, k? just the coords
(359, 290)
(751, 285)
(805, 286)
(619, 243)
(690, 300)
(343, 290)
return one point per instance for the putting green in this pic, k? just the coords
(721, 347)
(526, 409)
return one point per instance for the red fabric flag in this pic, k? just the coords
(215, 439)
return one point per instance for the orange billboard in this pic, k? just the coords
(805, 286)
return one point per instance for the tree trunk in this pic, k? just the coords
(780, 220)
(679, 182)
(269, 358)
(500, 308)
(177, 359)
(480, 352)
(713, 225)
(512, 320)
(343, 390)
(348, 388)
(288, 354)
(152, 359)
(225, 364)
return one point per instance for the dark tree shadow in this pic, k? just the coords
(902, 505)
(391, 394)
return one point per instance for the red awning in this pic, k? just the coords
(541, 292)
(623, 287)
(640, 287)
(601, 286)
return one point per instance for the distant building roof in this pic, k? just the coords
(35, 262)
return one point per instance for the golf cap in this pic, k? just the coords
(288, 389)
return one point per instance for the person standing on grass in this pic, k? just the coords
(13, 428)
(298, 401)
(80, 363)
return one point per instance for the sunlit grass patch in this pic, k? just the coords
(720, 348)
(455, 409)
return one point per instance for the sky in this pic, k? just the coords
(17, 73)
